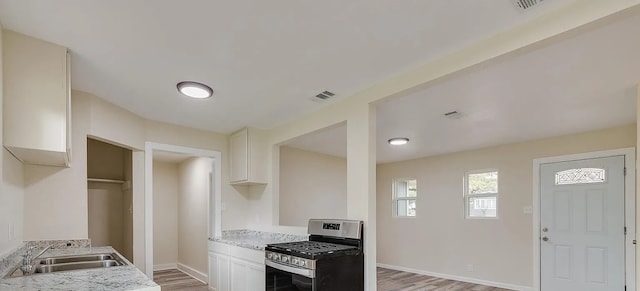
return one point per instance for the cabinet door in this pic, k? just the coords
(213, 272)
(239, 148)
(218, 272)
(256, 277)
(238, 275)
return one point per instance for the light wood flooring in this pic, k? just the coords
(391, 280)
(388, 280)
(174, 279)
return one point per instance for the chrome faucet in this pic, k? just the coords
(27, 258)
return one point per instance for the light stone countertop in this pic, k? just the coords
(254, 239)
(126, 277)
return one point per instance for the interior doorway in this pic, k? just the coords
(199, 171)
(585, 216)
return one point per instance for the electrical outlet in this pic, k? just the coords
(470, 267)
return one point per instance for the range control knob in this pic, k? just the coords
(294, 261)
(302, 263)
(270, 255)
(285, 259)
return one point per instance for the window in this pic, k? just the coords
(581, 176)
(405, 192)
(481, 194)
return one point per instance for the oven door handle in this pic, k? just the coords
(299, 271)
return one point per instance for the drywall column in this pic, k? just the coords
(361, 182)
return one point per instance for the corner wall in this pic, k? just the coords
(440, 240)
(11, 187)
(165, 214)
(194, 188)
(312, 185)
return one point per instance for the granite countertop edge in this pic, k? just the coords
(126, 277)
(255, 239)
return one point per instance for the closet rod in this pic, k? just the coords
(105, 181)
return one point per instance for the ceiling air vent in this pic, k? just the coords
(324, 96)
(453, 115)
(524, 5)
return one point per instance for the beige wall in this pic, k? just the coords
(440, 240)
(127, 206)
(165, 213)
(105, 214)
(312, 185)
(194, 188)
(62, 192)
(104, 161)
(11, 188)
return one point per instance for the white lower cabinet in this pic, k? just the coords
(218, 272)
(233, 268)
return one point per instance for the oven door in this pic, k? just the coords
(286, 278)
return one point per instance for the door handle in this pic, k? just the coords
(544, 238)
(544, 229)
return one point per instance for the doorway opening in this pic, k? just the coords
(182, 201)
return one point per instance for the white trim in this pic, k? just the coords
(457, 278)
(148, 194)
(630, 208)
(165, 267)
(194, 273)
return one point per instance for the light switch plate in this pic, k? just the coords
(11, 231)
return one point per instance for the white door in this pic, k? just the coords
(582, 242)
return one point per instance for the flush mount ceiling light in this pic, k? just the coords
(195, 89)
(398, 141)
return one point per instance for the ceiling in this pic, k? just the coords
(581, 81)
(265, 60)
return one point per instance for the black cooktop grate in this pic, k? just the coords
(312, 248)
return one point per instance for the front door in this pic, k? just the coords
(582, 231)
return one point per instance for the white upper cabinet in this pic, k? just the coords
(248, 152)
(37, 100)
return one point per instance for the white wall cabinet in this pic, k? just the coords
(248, 157)
(233, 268)
(37, 100)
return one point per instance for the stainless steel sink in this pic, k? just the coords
(71, 263)
(73, 259)
(75, 266)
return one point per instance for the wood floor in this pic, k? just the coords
(391, 280)
(388, 280)
(170, 280)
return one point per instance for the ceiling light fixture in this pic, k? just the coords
(194, 90)
(398, 141)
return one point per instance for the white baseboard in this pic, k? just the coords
(194, 273)
(161, 267)
(458, 278)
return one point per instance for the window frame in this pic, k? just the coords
(466, 195)
(395, 198)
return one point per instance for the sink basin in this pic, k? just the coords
(71, 263)
(75, 266)
(73, 259)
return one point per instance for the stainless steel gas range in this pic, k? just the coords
(332, 259)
